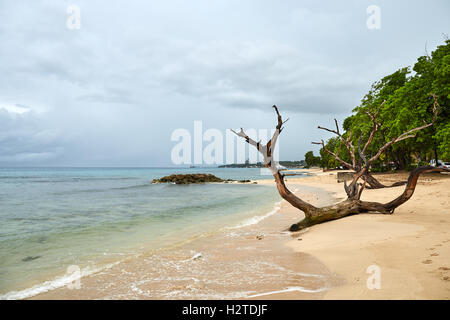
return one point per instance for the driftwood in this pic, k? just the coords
(352, 205)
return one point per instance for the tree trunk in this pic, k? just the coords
(375, 184)
(436, 156)
(353, 204)
(349, 207)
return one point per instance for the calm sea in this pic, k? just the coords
(53, 218)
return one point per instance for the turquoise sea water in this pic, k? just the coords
(52, 218)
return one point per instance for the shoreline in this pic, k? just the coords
(410, 247)
(247, 262)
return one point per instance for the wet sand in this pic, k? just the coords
(251, 262)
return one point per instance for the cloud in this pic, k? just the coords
(24, 138)
(14, 109)
(254, 74)
(112, 92)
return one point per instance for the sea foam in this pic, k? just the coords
(53, 284)
(257, 219)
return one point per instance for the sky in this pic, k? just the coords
(113, 91)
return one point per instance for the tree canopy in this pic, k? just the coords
(408, 96)
(311, 160)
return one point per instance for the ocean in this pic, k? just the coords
(55, 218)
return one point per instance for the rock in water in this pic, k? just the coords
(30, 258)
(195, 178)
(188, 178)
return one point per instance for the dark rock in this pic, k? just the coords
(194, 178)
(30, 258)
(188, 178)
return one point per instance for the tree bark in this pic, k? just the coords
(375, 184)
(352, 205)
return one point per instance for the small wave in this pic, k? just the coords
(18, 177)
(59, 179)
(53, 284)
(138, 186)
(257, 219)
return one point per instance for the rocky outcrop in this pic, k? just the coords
(193, 178)
(188, 178)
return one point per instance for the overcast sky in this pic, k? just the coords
(112, 92)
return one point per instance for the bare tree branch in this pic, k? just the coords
(345, 163)
(353, 204)
(267, 152)
(376, 125)
(347, 143)
(361, 190)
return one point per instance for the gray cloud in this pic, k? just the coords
(23, 137)
(112, 92)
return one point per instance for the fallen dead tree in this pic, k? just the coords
(352, 205)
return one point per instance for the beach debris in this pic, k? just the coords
(260, 237)
(197, 256)
(30, 258)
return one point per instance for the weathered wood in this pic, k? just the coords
(356, 206)
(352, 205)
(375, 184)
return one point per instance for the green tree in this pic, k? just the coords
(407, 104)
(311, 160)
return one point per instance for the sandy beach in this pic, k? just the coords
(411, 246)
(327, 261)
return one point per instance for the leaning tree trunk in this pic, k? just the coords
(375, 184)
(349, 206)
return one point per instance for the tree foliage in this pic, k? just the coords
(311, 160)
(408, 104)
